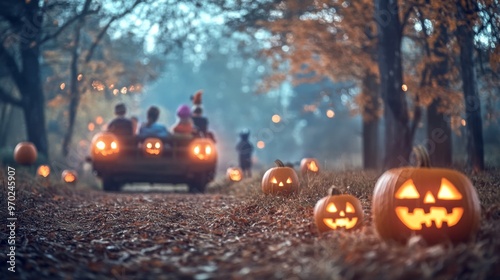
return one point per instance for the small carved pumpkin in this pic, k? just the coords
(338, 211)
(25, 153)
(69, 176)
(152, 146)
(309, 166)
(234, 174)
(437, 203)
(280, 180)
(43, 171)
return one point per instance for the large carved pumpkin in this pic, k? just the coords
(338, 211)
(309, 166)
(25, 153)
(438, 204)
(280, 180)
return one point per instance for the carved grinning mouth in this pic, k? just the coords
(341, 222)
(439, 215)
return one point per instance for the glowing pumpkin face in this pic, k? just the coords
(203, 149)
(152, 146)
(25, 153)
(309, 166)
(338, 211)
(280, 180)
(439, 204)
(69, 176)
(43, 171)
(105, 145)
(234, 174)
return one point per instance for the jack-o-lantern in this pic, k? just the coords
(338, 211)
(43, 171)
(234, 174)
(152, 146)
(280, 180)
(309, 166)
(69, 176)
(437, 203)
(203, 149)
(105, 145)
(25, 153)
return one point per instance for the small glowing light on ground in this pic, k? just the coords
(261, 144)
(330, 113)
(404, 87)
(80, 77)
(111, 86)
(99, 120)
(276, 118)
(115, 91)
(463, 122)
(124, 90)
(62, 86)
(91, 126)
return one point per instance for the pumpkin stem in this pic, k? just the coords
(333, 190)
(420, 157)
(279, 163)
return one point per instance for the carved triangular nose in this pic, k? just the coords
(342, 213)
(429, 198)
(280, 184)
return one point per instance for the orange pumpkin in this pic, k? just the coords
(203, 149)
(43, 171)
(234, 174)
(105, 145)
(280, 180)
(309, 166)
(437, 203)
(69, 176)
(152, 146)
(338, 211)
(25, 153)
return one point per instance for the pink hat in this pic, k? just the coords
(183, 111)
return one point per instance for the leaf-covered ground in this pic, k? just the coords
(232, 232)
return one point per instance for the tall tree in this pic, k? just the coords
(466, 16)
(398, 136)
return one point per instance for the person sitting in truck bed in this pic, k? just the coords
(184, 124)
(120, 125)
(151, 128)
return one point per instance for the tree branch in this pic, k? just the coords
(11, 64)
(66, 24)
(8, 98)
(105, 28)
(406, 15)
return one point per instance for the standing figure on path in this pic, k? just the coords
(245, 149)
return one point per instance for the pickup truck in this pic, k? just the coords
(177, 159)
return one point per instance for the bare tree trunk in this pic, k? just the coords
(474, 128)
(397, 132)
(438, 124)
(370, 121)
(30, 85)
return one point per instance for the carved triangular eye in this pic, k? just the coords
(288, 181)
(349, 208)
(331, 208)
(447, 191)
(407, 190)
(274, 181)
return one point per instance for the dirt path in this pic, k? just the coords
(232, 232)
